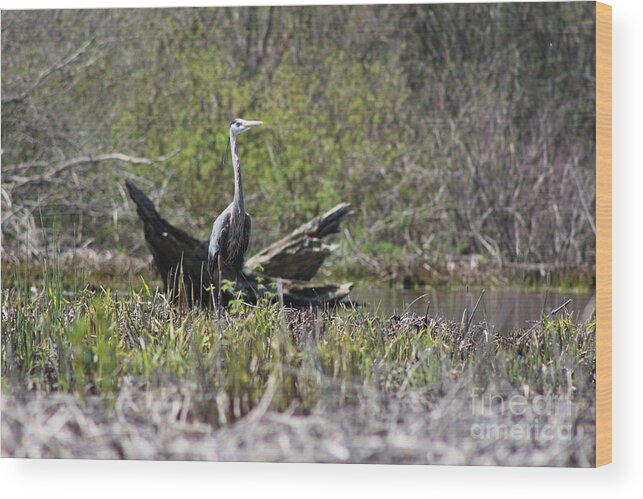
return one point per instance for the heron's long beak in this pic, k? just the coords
(251, 124)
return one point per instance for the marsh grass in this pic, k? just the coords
(132, 373)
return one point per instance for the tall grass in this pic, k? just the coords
(90, 342)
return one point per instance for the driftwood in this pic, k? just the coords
(291, 262)
(300, 254)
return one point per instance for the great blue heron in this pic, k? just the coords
(231, 230)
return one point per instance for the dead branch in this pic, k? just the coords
(69, 58)
(15, 181)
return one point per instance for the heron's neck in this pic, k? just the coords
(238, 186)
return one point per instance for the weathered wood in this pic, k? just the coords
(300, 254)
(175, 252)
(291, 262)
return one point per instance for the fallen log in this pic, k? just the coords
(300, 254)
(285, 267)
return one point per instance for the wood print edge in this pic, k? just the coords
(603, 234)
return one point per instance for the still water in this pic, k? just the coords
(502, 309)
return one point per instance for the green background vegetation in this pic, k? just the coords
(456, 131)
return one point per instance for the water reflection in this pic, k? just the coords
(502, 308)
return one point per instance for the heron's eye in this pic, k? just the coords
(238, 124)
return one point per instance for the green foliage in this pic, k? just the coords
(93, 343)
(452, 129)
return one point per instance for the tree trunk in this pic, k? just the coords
(289, 263)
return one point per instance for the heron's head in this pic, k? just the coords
(239, 126)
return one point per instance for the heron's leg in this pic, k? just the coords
(219, 291)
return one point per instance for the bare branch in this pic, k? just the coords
(581, 194)
(64, 165)
(66, 60)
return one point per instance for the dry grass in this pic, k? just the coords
(374, 429)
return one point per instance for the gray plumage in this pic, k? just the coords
(230, 239)
(231, 230)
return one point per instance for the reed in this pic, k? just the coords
(94, 349)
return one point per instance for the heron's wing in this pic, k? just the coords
(244, 243)
(247, 228)
(218, 238)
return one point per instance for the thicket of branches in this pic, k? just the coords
(453, 130)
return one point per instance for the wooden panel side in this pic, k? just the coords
(603, 234)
